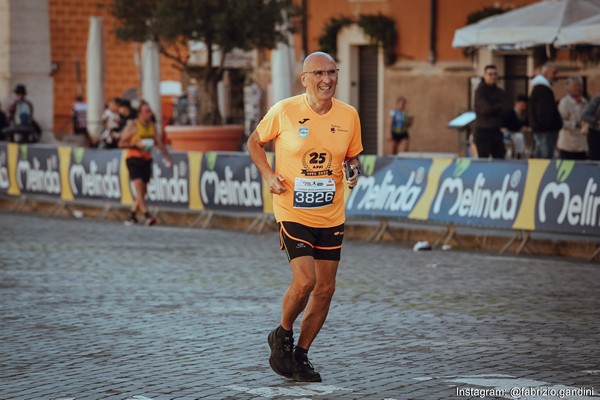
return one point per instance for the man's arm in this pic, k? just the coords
(590, 112)
(256, 148)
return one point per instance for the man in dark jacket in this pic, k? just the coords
(544, 119)
(491, 108)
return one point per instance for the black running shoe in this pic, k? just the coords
(304, 371)
(132, 220)
(282, 354)
(150, 221)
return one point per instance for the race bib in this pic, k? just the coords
(313, 193)
(148, 144)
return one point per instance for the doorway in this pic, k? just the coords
(367, 96)
(360, 84)
(515, 76)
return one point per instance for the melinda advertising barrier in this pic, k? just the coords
(557, 196)
(197, 181)
(536, 195)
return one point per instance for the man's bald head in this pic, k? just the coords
(314, 56)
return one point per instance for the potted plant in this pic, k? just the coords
(221, 25)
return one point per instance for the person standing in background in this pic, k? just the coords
(111, 122)
(79, 119)
(519, 141)
(79, 116)
(544, 118)
(23, 127)
(591, 118)
(572, 142)
(400, 121)
(491, 108)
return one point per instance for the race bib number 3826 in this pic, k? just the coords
(313, 193)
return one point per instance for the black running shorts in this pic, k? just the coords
(320, 243)
(139, 168)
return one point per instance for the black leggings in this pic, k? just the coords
(594, 144)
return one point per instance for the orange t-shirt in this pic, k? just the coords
(147, 133)
(309, 152)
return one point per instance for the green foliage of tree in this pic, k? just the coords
(381, 30)
(228, 24)
(328, 40)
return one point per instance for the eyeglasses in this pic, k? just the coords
(332, 73)
(491, 73)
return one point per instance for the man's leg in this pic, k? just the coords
(294, 301)
(313, 319)
(545, 144)
(552, 139)
(296, 296)
(538, 145)
(498, 147)
(318, 308)
(483, 143)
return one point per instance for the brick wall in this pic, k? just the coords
(69, 26)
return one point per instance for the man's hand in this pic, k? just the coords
(275, 184)
(354, 165)
(354, 179)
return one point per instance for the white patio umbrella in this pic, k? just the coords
(151, 78)
(532, 25)
(95, 77)
(586, 31)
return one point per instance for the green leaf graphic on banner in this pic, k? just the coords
(211, 160)
(23, 149)
(368, 164)
(78, 153)
(563, 169)
(462, 164)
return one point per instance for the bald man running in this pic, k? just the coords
(314, 135)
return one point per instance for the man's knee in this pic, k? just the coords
(304, 286)
(324, 291)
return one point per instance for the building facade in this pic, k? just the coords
(436, 79)
(43, 44)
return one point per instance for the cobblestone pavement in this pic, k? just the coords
(97, 310)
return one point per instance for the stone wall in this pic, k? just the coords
(436, 94)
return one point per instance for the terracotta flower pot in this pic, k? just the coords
(205, 137)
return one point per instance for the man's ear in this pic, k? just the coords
(303, 79)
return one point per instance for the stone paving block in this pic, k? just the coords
(95, 310)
